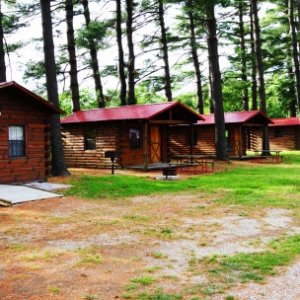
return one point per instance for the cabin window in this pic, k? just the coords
(192, 138)
(16, 137)
(90, 139)
(279, 133)
(135, 138)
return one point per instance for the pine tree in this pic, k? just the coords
(94, 57)
(295, 53)
(121, 63)
(59, 167)
(74, 87)
(130, 4)
(165, 50)
(2, 50)
(216, 83)
(241, 8)
(260, 72)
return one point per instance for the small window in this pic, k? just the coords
(279, 133)
(192, 139)
(90, 139)
(135, 138)
(16, 137)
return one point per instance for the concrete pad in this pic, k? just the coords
(169, 177)
(48, 186)
(13, 194)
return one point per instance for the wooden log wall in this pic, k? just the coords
(74, 146)
(289, 140)
(109, 137)
(255, 139)
(131, 156)
(179, 137)
(34, 165)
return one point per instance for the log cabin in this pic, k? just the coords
(284, 134)
(24, 134)
(139, 132)
(241, 135)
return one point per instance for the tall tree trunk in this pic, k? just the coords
(295, 53)
(298, 27)
(94, 58)
(165, 51)
(196, 63)
(293, 100)
(121, 64)
(211, 101)
(253, 63)
(59, 167)
(260, 72)
(243, 56)
(131, 55)
(72, 56)
(2, 51)
(292, 89)
(216, 85)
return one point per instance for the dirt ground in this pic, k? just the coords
(70, 248)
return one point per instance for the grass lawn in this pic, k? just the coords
(259, 184)
(133, 237)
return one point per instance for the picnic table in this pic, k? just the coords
(275, 154)
(200, 160)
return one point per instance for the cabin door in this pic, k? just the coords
(155, 144)
(234, 142)
(237, 142)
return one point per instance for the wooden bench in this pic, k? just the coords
(206, 164)
(273, 154)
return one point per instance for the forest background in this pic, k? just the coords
(157, 27)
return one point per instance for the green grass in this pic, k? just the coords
(54, 289)
(158, 255)
(144, 280)
(258, 184)
(89, 257)
(254, 266)
(89, 297)
(249, 186)
(159, 295)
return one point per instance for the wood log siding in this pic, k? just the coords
(206, 143)
(289, 141)
(179, 136)
(34, 165)
(109, 137)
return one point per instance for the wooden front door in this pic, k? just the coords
(234, 142)
(155, 144)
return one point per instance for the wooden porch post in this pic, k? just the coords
(262, 140)
(241, 142)
(146, 147)
(191, 139)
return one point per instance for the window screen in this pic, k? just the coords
(279, 133)
(16, 137)
(90, 139)
(135, 138)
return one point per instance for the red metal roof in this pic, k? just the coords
(234, 117)
(294, 121)
(128, 112)
(33, 96)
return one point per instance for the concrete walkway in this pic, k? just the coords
(48, 186)
(14, 194)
